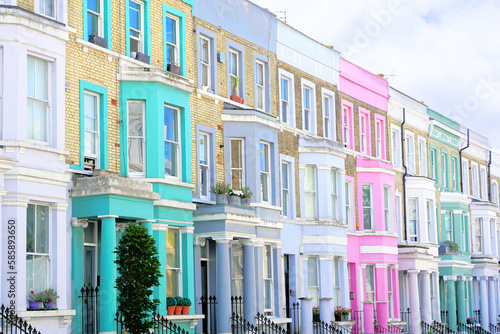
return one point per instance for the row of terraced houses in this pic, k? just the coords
(114, 112)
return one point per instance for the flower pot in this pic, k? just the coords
(174, 69)
(49, 305)
(33, 305)
(178, 310)
(237, 99)
(344, 317)
(170, 310)
(246, 202)
(221, 199)
(185, 309)
(338, 317)
(316, 318)
(234, 200)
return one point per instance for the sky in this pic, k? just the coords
(445, 53)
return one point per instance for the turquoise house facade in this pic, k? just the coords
(153, 188)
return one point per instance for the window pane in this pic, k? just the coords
(94, 5)
(267, 294)
(284, 175)
(236, 159)
(171, 124)
(31, 76)
(312, 271)
(233, 63)
(30, 229)
(172, 283)
(135, 118)
(41, 77)
(172, 248)
(134, 15)
(170, 30)
(237, 255)
(136, 155)
(264, 157)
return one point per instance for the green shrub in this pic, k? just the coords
(220, 188)
(187, 302)
(180, 301)
(246, 192)
(171, 301)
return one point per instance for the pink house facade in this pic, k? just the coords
(372, 252)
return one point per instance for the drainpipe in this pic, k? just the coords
(489, 178)
(405, 169)
(460, 158)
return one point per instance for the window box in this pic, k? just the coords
(237, 99)
(174, 69)
(97, 40)
(140, 56)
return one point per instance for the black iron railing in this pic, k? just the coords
(494, 329)
(357, 317)
(237, 305)
(383, 330)
(90, 316)
(240, 326)
(321, 327)
(294, 326)
(161, 325)
(209, 310)
(435, 328)
(444, 316)
(340, 330)
(266, 325)
(12, 324)
(406, 317)
(477, 315)
(471, 329)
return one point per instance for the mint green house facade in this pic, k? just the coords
(455, 268)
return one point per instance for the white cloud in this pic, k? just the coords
(445, 53)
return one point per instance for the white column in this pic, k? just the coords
(414, 302)
(483, 292)
(492, 301)
(436, 307)
(426, 297)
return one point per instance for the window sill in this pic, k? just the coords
(65, 316)
(193, 319)
(203, 201)
(217, 98)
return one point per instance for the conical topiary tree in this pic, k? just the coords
(138, 272)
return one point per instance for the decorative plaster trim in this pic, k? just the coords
(171, 181)
(108, 216)
(187, 229)
(175, 204)
(450, 278)
(160, 227)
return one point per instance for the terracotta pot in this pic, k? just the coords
(170, 310)
(178, 310)
(237, 99)
(185, 309)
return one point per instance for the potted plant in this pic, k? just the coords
(342, 313)
(50, 298)
(447, 247)
(178, 305)
(174, 68)
(35, 299)
(171, 304)
(316, 314)
(246, 196)
(235, 82)
(220, 189)
(187, 305)
(234, 198)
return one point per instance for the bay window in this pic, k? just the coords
(448, 226)
(172, 141)
(310, 191)
(38, 99)
(136, 143)
(387, 208)
(37, 248)
(334, 196)
(173, 262)
(412, 219)
(479, 235)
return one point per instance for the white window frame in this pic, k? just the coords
(378, 138)
(204, 166)
(266, 173)
(329, 119)
(396, 146)
(260, 86)
(140, 30)
(206, 63)
(100, 19)
(46, 256)
(492, 236)
(478, 233)
(242, 168)
(484, 187)
(176, 143)
(494, 192)
(465, 176)
(290, 113)
(370, 294)
(397, 199)
(412, 238)
(143, 173)
(430, 220)
(285, 189)
(313, 285)
(475, 179)
(388, 208)
(238, 70)
(410, 152)
(175, 270)
(422, 157)
(363, 146)
(334, 193)
(176, 46)
(347, 125)
(371, 226)
(310, 193)
(349, 205)
(46, 102)
(41, 8)
(268, 277)
(95, 133)
(311, 109)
